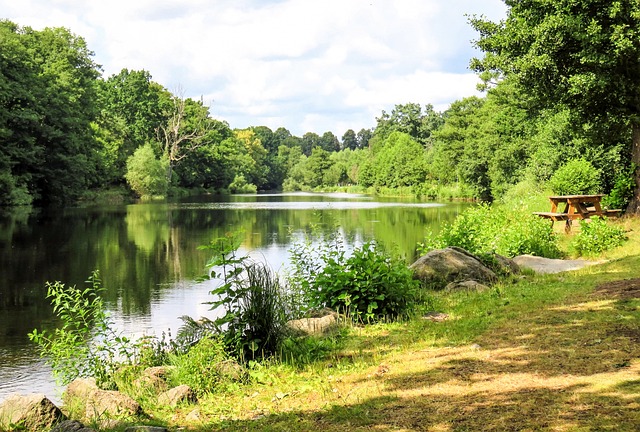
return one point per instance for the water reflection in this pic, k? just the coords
(148, 258)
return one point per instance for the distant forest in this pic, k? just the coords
(66, 132)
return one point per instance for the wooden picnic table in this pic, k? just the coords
(576, 207)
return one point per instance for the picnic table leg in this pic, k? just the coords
(567, 226)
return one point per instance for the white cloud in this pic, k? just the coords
(305, 65)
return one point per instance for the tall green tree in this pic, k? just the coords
(206, 166)
(364, 135)
(410, 119)
(20, 90)
(349, 140)
(329, 142)
(132, 108)
(309, 141)
(583, 54)
(48, 103)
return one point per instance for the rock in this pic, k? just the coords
(29, 412)
(441, 266)
(194, 416)
(154, 378)
(435, 316)
(71, 426)
(180, 394)
(230, 370)
(146, 429)
(82, 388)
(314, 325)
(469, 285)
(100, 403)
(549, 265)
(505, 266)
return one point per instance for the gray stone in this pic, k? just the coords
(469, 285)
(230, 370)
(101, 404)
(549, 265)
(505, 266)
(324, 321)
(435, 316)
(439, 267)
(154, 378)
(177, 395)
(194, 416)
(146, 429)
(71, 426)
(32, 412)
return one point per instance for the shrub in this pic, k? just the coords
(239, 185)
(622, 191)
(497, 229)
(597, 236)
(576, 177)
(251, 294)
(86, 345)
(368, 284)
(146, 174)
(200, 368)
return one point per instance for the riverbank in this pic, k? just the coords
(542, 351)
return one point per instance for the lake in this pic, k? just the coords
(148, 257)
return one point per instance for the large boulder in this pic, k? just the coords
(440, 267)
(318, 323)
(100, 403)
(154, 378)
(177, 395)
(32, 412)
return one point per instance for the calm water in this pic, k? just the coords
(148, 259)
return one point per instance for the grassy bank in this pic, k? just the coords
(536, 352)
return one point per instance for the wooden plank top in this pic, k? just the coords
(576, 197)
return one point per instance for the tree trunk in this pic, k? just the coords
(634, 205)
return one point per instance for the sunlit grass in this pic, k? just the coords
(534, 352)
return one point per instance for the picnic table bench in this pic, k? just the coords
(576, 207)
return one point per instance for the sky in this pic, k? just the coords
(306, 65)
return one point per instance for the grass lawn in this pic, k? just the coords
(539, 352)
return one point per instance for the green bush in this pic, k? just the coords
(201, 367)
(86, 344)
(597, 236)
(252, 296)
(497, 229)
(239, 185)
(368, 284)
(622, 191)
(146, 174)
(576, 177)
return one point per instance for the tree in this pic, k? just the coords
(132, 109)
(364, 135)
(410, 119)
(310, 140)
(257, 171)
(47, 106)
(583, 54)
(329, 142)
(20, 89)
(315, 167)
(184, 131)
(204, 167)
(349, 140)
(146, 174)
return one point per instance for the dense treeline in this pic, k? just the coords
(66, 130)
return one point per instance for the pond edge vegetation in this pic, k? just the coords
(253, 335)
